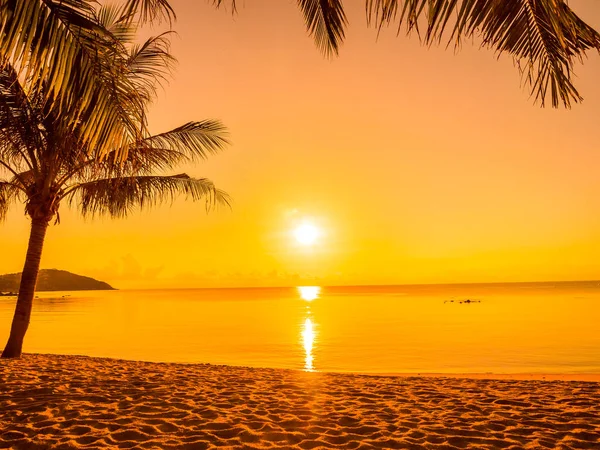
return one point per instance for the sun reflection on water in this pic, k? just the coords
(308, 338)
(308, 333)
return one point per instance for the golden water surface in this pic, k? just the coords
(502, 329)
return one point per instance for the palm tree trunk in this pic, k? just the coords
(29, 277)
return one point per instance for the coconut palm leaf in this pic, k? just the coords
(150, 64)
(117, 197)
(56, 45)
(9, 193)
(4, 199)
(149, 10)
(20, 132)
(110, 17)
(189, 143)
(325, 21)
(545, 37)
(47, 38)
(23, 181)
(195, 140)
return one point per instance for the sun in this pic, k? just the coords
(306, 233)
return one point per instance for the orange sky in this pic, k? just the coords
(419, 165)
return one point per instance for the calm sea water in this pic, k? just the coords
(551, 328)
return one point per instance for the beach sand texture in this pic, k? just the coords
(65, 402)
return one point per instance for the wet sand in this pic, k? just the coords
(67, 402)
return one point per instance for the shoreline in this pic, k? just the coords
(518, 376)
(586, 377)
(73, 402)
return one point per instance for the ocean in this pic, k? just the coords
(502, 328)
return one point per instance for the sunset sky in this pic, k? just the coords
(416, 165)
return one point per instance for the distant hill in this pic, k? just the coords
(55, 280)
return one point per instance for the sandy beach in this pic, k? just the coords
(64, 402)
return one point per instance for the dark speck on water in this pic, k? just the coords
(468, 301)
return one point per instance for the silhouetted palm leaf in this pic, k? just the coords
(117, 197)
(149, 10)
(150, 64)
(545, 37)
(9, 193)
(195, 140)
(20, 134)
(54, 44)
(5, 199)
(13, 191)
(190, 143)
(325, 21)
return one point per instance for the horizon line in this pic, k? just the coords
(484, 283)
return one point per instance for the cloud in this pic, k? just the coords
(127, 268)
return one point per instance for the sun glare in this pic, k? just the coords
(309, 293)
(306, 233)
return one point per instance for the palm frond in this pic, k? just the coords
(219, 3)
(58, 46)
(189, 143)
(47, 38)
(4, 200)
(195, 140)
(150, 63)
(118, 197)
(110, 17)
(545, 37)
(23, 181)
(149, 10)
(20, 130)
(325, 21)
(9, 193)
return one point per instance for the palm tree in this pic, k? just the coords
(48, 162)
